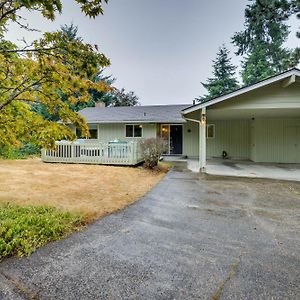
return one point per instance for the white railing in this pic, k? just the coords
(94, 152)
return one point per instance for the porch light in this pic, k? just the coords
(203, 119)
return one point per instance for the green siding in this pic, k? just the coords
(191, 139)
(109, 132)
(276, 140)
(273, 96)
(232, 136)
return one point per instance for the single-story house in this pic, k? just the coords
(260, 122)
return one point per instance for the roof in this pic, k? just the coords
(135, 114)
(243, 90)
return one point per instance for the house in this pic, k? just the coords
(260, 123)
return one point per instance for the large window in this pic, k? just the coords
(134, 130)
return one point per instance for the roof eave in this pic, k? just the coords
(243, 90)
(137, 122)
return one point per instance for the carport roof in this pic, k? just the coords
(293, 73)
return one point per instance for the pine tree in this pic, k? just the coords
(223, 80)
(262, 41)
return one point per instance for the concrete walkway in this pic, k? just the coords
(253, 170)
(189, 238)
(249, 169)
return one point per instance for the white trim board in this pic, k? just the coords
(287, 74)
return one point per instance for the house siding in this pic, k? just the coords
(191, 139)
(273, 96)
(275, 140)
(232, 136)
(109, 132)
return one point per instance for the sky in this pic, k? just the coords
(160, 49)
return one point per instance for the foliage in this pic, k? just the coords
(40, 73)
(24, 229)
(10, 10)
(152, 149)
(121, 98)
(262, 40)
(223, 81)
(26, 150)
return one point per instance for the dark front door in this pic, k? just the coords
(175, 139)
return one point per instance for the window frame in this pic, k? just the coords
(214, 131)
(133, 131)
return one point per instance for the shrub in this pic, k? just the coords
(152, 149)
(27, 149)
(24, 229)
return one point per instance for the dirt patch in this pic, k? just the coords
(93, 190)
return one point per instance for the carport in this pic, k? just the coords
(258, 123)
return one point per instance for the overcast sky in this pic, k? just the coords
(160, 49)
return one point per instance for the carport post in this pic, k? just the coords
(202, 141)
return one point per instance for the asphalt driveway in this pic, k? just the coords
(191, 237)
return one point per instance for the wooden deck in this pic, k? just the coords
(94, 152)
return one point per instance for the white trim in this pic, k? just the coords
(244, 90)
(169, 138)
(287, 82)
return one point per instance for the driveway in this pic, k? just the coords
(191, 237)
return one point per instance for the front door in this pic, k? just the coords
(173, 135)
(175, 139)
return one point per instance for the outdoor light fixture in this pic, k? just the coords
(203, 119)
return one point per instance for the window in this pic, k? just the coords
(93, 134)
(134, 130)
(210, 131)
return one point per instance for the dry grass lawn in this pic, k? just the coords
(91, 190)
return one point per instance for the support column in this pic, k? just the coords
(98, 131)
(202, 141)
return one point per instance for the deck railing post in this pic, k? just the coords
(72, 151)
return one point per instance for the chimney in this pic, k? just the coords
(100, 104)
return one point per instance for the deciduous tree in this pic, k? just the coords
(41, 72)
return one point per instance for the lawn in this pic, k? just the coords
(41, 202)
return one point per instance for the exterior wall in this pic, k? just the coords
(109, 132)
(273, 96)
(191, 139)
(232, 136)
(275, 140)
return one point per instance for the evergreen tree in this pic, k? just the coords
(223, 80)
(262, 40)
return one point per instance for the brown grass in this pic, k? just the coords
(91, 190)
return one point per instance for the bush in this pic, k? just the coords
(27, 149)
(152, 149)
(24, 229)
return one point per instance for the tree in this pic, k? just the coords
(262, 41)
(223, 80)
(121, 98)
(42, 71)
